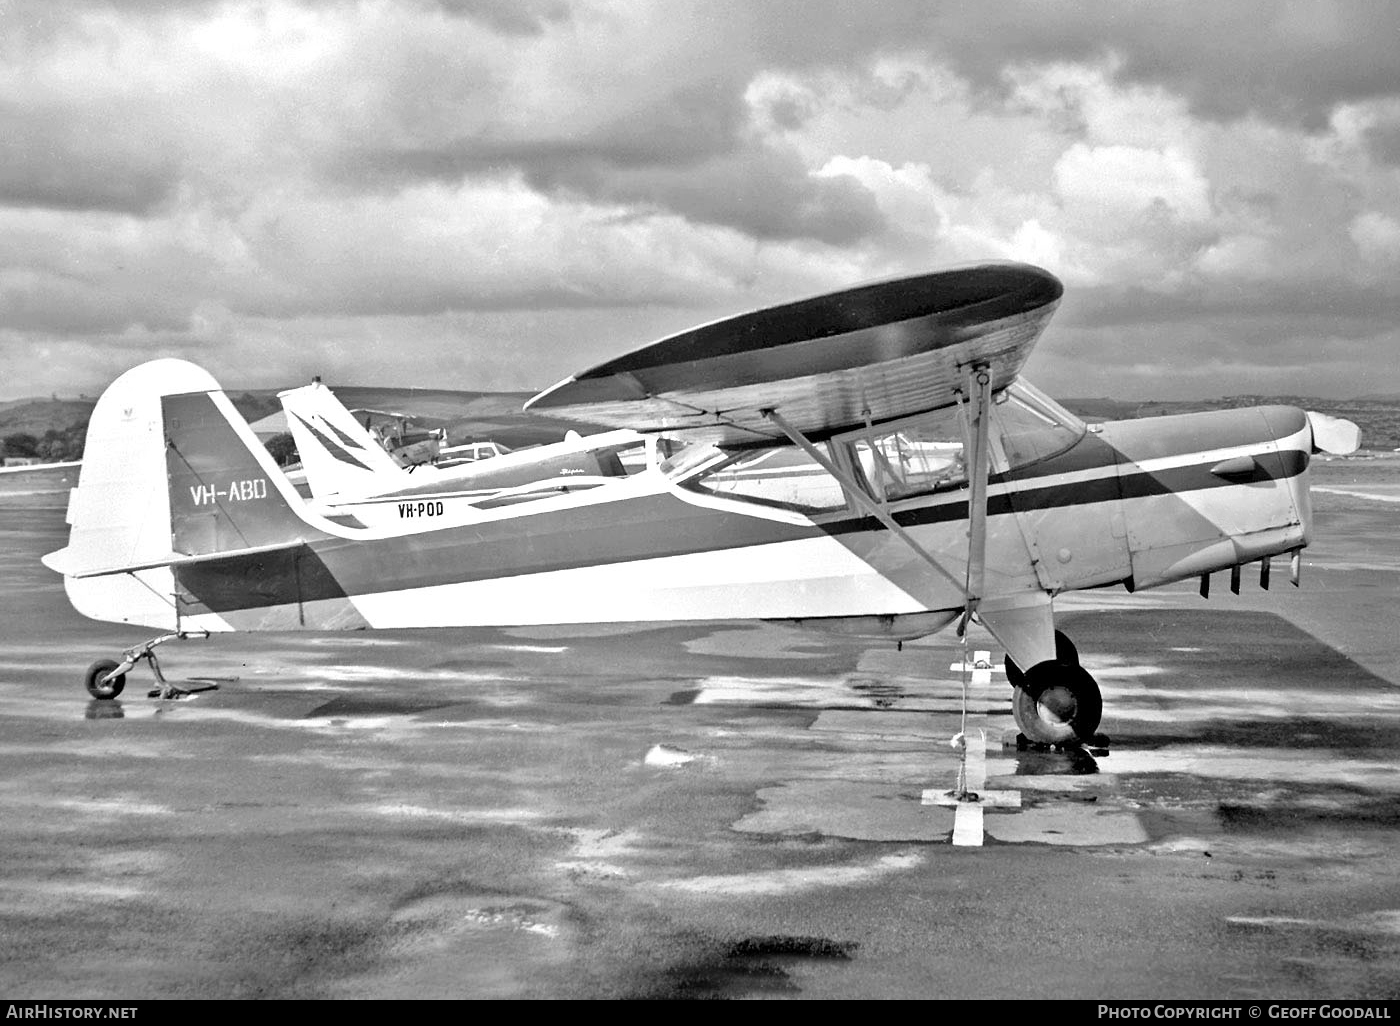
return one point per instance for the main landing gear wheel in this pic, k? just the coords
(1057, 703)
(1065, 652)
(101, 683)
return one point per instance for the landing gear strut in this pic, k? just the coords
(106, 678)
(1056, 702)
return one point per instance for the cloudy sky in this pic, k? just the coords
(492, 194)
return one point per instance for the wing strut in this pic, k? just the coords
(978, 469)
(861, 497)
(977, 430)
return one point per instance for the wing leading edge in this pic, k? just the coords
(882, 350)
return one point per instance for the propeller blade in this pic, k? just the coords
(1335, 435)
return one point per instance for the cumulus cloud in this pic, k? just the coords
(1377, 236)
(509, 191)
(1127, 182)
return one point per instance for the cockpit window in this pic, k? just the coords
(924, 456)
(926, 453)
(1032, 426)
(897, 460)
(785, 477)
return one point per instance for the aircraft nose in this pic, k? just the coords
(1335, 435)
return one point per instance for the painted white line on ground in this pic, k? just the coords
(967, 825)
(972, 799)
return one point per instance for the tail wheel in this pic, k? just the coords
(1058, 704)
(101, 682)
(1065, 652)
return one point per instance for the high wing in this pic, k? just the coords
(833, 362)
(390, 414)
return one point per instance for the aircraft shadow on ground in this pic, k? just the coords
(1256, 679)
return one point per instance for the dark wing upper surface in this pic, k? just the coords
(892, 348)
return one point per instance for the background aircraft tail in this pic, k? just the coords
(341, 458)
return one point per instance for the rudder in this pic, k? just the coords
(226, 493)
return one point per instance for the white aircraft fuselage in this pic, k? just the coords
(1138, 503)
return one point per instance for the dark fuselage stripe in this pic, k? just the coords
(1137, 485)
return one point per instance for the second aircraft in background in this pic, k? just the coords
(350, 476)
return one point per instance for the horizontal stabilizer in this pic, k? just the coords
(59, 561)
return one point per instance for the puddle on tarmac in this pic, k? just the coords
(752, 967)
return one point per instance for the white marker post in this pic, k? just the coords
(970, 799)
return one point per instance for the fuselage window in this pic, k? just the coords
(925, 454)
(784, 477)
(898, 460)
(922, 456)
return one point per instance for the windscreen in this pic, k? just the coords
(1032, 426)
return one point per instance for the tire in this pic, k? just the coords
(103, 689)
(1065, 652)
(1058, 704)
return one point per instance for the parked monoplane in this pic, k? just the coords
(352, 478)
(866, 461)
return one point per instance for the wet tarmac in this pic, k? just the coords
(722, 810)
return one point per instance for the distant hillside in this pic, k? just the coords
(36, 416)
(498, 415)
(467, 416)
(1377, 417)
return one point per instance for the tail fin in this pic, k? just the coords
(340, 457)
(119, 514)
(170, 473)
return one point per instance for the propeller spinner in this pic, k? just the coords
(1335, 435)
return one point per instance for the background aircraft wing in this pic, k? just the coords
(388, 414)
(893, 348)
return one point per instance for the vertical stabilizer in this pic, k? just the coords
(341, 458)
(173, 477)
(119, 514)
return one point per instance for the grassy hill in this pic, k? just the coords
(36, 416)
(467, 416)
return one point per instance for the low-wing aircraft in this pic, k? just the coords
(356, 482)
(469, 452)
(866, 461)
(407, 446)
